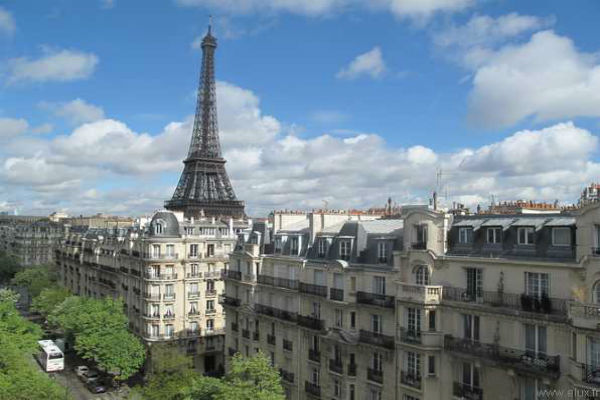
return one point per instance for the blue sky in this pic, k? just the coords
(342, 101)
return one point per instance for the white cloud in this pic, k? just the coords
(53, 65)
(546, 78)
(272, 169)
(402, 8)
(42, 129)
(10, 127)
(77, 111)
(370, 63)
(7, 22)
(328, 117)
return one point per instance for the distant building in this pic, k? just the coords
(590, 194)
(30, 239)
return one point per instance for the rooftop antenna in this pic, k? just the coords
(210, 21)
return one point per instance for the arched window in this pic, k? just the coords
(596, 293)
(422, 275)
(158, 228)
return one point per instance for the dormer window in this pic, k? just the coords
(422, 275)
(465, 235)
(561, 237)
(322, 249)
(158, 228)
(294, 246)
(345, 249)
(278, 244)
(382, 252)
(494, 235)
(525, 236)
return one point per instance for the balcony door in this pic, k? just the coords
(379, 285)
(470, 375)
(413, 321)
(535, 340)
(471, 327)
(474, 283)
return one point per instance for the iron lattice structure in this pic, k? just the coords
(204, 187)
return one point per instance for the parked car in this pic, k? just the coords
(90, 375)
(80, 370)
(96, 386)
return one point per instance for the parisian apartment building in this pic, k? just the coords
(422, 305)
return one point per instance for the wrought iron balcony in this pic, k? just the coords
(316, 290)
(246, 333)
(522, 360)
(314, 355)
(169, 296)
(265, 279)
(288, 345)
(248, 278)
(210, 293)
(286, 283)
(590, 374)
(230, 301)
(311, 322)
(336, 294)
(351, 369)
(152, 296)
(524, 302)
(467, 392)
(271, 339)
(160, 277)
(191, 275)
(376, 339)
(410, 336)
(410, 378)
(169, 316)
(193, 295)
(276, 312)
(375, 299)
(286, 376)
(375, 375)
(312, 388)
(336, 366)
(231, 274)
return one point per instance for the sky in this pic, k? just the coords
(337, 103)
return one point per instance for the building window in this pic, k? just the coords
(353, 284)
(337, 388)
(294, 246)
(536, 284)
(155, 250)
(561, 236)
(379, 285)
(210, 285)
(431, 365)
(596, 293)
(470, 375)
(169, 330)
(170, 250)
(210, 250)
(158, 228)
(471, 327)
(314, 376)
(374, 394)
(413, 320)
(413, 364)
(322, 250)
(525, 235)
(382, 252)
(465, 235)
(494, 235)
(421, 234)
(193, 250)
(535, 340)
(210, 325)
(339, 318)
(474, 284)
(422, 275)
(351, 392)
(352, 319)
(345, 249)
(376, 323)
(432, 320)
(210, 305)
(316, 310)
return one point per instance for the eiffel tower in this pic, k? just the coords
(204, 188)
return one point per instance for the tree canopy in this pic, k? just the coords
(9, 266)
(49, 299)
(251, 378)
(35, 279)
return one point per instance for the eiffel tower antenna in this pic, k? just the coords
(204, 187)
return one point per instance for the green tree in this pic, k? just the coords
(251, 378)
(9, 295)
(77, 314)
(49, 299)
(20, 378)
(35, 279)
(118, 352)
(9, 266)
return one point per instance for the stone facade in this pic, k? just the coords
(425, 306)
(31, 239)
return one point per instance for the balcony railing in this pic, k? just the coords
(230, 301)
(210, 293)
(518, 359)
(152, 296)
(248, 278)
(316, 290)
(581, 310)
(547, 305)
(312, 388)
(336, 294)
(190, 275)
(161, 277)
(265, 279)
(336, 366)
(151, 315)
(314, 355)
(286, 376)
(271, 339)
(276, 312)
(375, 299)
(590, 374)
(410, 336)
(419, 245)
(169, 296)
(311, 322)
(467, 392)
(410, 378)
(161, 256)
(424, 294)
(351, 369)
(376, 339)
(231, 274)
(288, 345)
(375, 375)
(169, 316)
(286, 283)
(193, 295)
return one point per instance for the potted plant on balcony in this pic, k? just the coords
(546, 304)
(526, 302)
